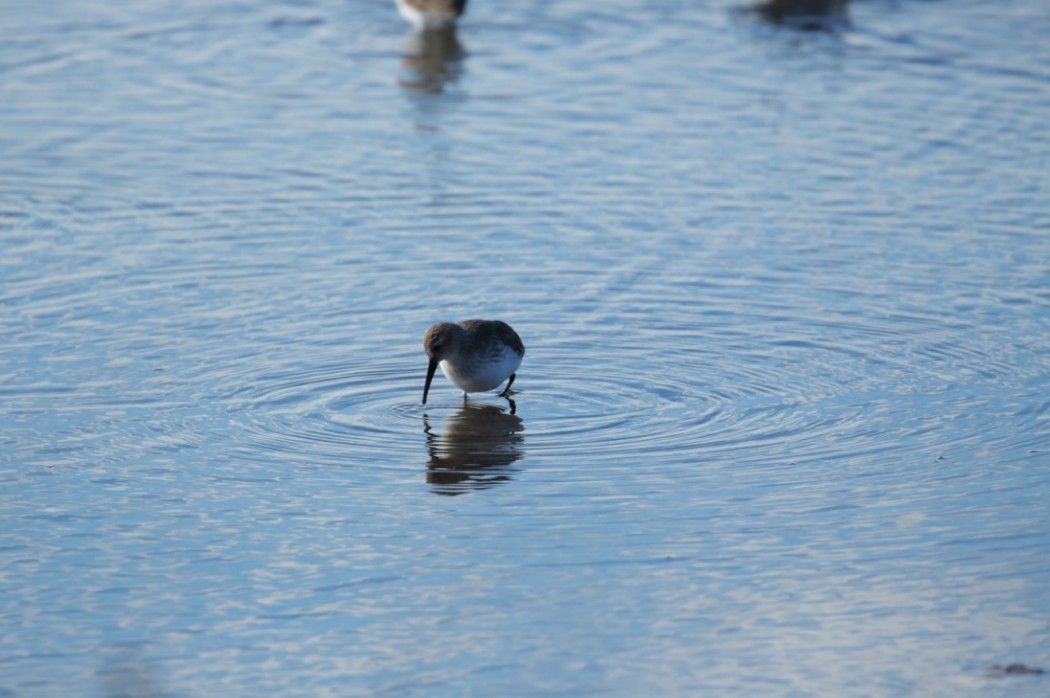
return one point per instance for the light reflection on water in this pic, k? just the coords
(781, 429)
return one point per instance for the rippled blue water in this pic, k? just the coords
(783, 425)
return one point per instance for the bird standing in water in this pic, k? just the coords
(476, 355)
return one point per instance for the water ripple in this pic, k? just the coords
(784, 297)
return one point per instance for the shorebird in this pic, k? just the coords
(476, 355)
(431, 14)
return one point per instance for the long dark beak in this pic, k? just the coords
(430, 376)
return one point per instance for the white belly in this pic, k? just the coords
(423, 20)
(486, 375)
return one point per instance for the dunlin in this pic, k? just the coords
(476, 355)
(431, 14)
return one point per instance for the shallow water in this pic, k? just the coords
(782, 424)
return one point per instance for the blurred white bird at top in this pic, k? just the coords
(431, 14)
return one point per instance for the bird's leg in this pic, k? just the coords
(506, 391)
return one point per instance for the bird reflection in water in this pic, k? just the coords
(432, 58)
(129, 675)
(474, 449)
(807, 15)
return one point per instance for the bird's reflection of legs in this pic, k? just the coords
(505, 395)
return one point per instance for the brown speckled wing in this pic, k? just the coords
(496, 329)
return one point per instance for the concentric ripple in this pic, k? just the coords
(760, 400)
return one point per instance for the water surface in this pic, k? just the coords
(782, 425)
